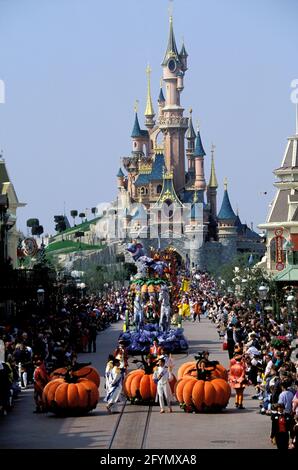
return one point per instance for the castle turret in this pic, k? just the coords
(121, 179)
(149, 112)
(199, 154)
(227, 228)
(212, 187)
(140, 137)
(161, 100)
(190, 137)
(183, 57)
(172, 123)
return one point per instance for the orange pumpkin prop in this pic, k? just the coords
(70, 396)
(189, 369)
(139, 386)
(86, 372)
(198, 395)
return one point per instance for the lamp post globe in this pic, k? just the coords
(40, 295)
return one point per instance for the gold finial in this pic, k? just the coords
(136, 106)
(161, 82)
(213, 147)
(149, 108)
(226, 183)
(190, 111)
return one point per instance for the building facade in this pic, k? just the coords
(281, 225)
(9, 204)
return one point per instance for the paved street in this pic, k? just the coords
(231, 428)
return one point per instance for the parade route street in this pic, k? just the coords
(230, 429)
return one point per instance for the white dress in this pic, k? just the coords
(113, 385)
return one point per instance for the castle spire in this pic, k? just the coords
(199, 149)
(213, 180)
(172, 50)
(149, 112)
(226, 212)
(161, 98)
(136, 131)
(190, 133)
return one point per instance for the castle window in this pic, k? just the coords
(158, 188)
(142, 190)
(134, 144)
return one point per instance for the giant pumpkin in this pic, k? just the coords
(189, 369)
(86, 372)
(139, 386)
(199, 395)
(70, 395)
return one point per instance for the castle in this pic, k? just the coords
(157, 178)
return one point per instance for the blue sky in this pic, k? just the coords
(73, 69)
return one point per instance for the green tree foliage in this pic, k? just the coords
(96, 276)
(32, 223)
(74, 214)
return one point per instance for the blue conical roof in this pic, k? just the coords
(183, 52)
(161, 97)
(136, 131)
(226, 212)
(199, 149)
(120, 173)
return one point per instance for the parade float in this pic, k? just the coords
(140, 387)
(202, 386)
(152, 300)
(73, 393)
(86, 372)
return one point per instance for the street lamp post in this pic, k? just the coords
(263, 291)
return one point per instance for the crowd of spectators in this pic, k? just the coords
(267, 349)
(55, 338)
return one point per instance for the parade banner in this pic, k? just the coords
(279, 257)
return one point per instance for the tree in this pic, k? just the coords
(82, 215)
(60, 223)
(79, 235)
(74, 214)
(37, 230)
(32, 223)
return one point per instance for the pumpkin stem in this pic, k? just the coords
(70, 378)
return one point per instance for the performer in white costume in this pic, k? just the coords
(113, 384)
(161, 377)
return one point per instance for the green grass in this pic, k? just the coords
(84, 227)
(69, 246)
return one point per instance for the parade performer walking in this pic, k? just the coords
(113, 385)
(161, 377)
(237, 380)
(41, 378)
